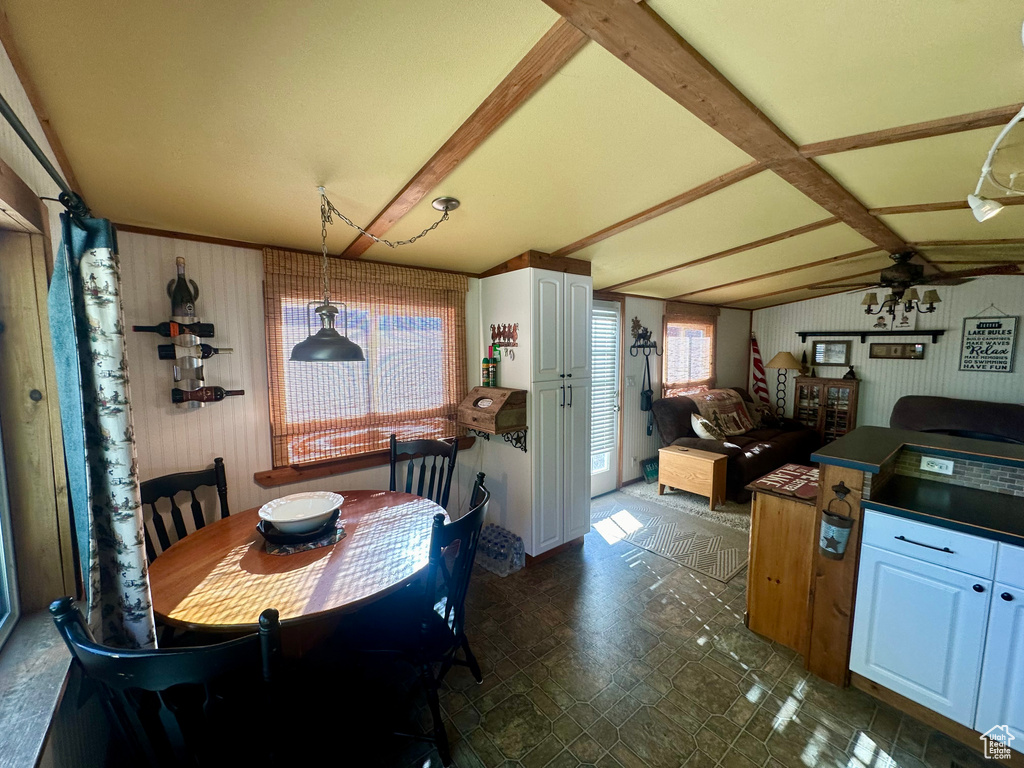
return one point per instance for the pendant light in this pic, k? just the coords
(327, 345)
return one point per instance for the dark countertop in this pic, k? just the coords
(996, 516)
(868, 448)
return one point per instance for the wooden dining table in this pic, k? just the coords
(221, 577)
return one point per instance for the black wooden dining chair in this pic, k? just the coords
(158, 536)
(439, 455)
(421, 630)
(183, 706)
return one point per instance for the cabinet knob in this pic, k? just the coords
(978, 588)
(1006, 596)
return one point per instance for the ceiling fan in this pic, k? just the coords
(905, 274)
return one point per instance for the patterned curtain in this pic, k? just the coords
(87, 328)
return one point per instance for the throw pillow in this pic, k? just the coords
(762, 415)
(704, 428)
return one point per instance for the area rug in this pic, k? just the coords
(705, 546)
(730, 513)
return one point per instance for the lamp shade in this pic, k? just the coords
(911, 295)
(870, 298)
(983, 208)
(784, 360)
(931, 297)
(327, 346)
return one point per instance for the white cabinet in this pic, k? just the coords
(1001, 697)
(561, 325)
(919, 630)
(576, 459)
(547, 439)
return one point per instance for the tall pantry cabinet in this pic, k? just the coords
(544, 494)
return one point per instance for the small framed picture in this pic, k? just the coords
(897, 351)
(831, 353)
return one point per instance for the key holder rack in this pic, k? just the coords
(505, 336)
(642, 341)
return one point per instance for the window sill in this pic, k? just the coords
(296, 473)
(34, 666)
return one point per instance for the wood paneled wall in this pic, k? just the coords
(885, 381)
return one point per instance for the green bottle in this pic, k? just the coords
(493, 370)
(485, 373)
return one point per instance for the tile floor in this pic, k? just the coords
(614, 657)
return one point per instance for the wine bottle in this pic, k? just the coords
(205, 330)
(183, 300)
(203, 394)
(166, 351)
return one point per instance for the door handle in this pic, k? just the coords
(919, 544)
(563, 396)
(570, 394)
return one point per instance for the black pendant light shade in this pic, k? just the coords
(327, 345)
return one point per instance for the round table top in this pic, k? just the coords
(222, 578)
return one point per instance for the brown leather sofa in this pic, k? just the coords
(1001, 422)
(751, 455)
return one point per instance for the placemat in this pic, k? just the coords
(327, 540)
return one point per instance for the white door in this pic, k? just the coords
(547, 424)
(919, 630)
(548, 325)
(578, 299)
(1001, 699)
(576, 458)
(604, 403)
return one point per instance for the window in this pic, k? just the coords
(8, 585)
(689, 359)
(411, 325)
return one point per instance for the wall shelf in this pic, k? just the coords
(864, 334)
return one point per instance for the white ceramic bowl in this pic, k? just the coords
(301, 512)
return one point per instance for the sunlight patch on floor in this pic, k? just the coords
(615, 528)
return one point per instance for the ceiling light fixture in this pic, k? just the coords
(982, 207)
(327, 345)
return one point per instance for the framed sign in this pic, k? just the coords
(831, 353)
(988, 344)
(897, 351)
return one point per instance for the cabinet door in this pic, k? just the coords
(1001, 698)
(548, 325)
(919, 630)
(576, 458)
(547, 425)
(578, 310)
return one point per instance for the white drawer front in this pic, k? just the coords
(930, 543)
(1010, 565)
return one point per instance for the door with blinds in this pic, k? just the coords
(604, 408)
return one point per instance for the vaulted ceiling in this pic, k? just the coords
(726, 153)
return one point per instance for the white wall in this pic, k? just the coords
(170, 439)
(885, 381)
(731, 350)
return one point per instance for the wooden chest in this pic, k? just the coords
(495, 410)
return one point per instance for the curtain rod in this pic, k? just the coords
(68, 197)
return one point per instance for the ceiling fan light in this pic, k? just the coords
(931, 297)
(983, 208)
(911, 295)
(870, 299)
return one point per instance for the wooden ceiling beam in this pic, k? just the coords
(945, 243)
(691, 195)
(971, 121)
(952, 205)
(776, 273)
(550, 53)
(814, 225)
(805, 287)
(641, 39)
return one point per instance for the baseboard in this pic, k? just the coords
(530, 559)
(966, 736)
(634, 481)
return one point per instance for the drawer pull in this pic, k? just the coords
(929, 546)
(978, 588)
(1006, 596)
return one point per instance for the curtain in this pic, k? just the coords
(688, 365)
(87, 328)
(411, 325)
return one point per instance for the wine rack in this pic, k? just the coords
(828, 406)
(184, 330)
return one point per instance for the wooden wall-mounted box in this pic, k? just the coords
(495, 410)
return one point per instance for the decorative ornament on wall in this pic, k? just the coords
(988, 343)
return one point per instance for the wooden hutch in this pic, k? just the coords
(826, 405)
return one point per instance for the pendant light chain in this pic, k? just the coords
(325, 216)
(327, 208)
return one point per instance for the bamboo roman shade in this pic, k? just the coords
(411, 324)
(689, 360)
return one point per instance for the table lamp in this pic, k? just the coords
(784, 361)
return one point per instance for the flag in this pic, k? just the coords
(760, 383)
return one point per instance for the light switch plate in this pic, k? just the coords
(939, 466)
(631, 381)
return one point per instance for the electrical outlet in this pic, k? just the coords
(631, 381)
(939, 466)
